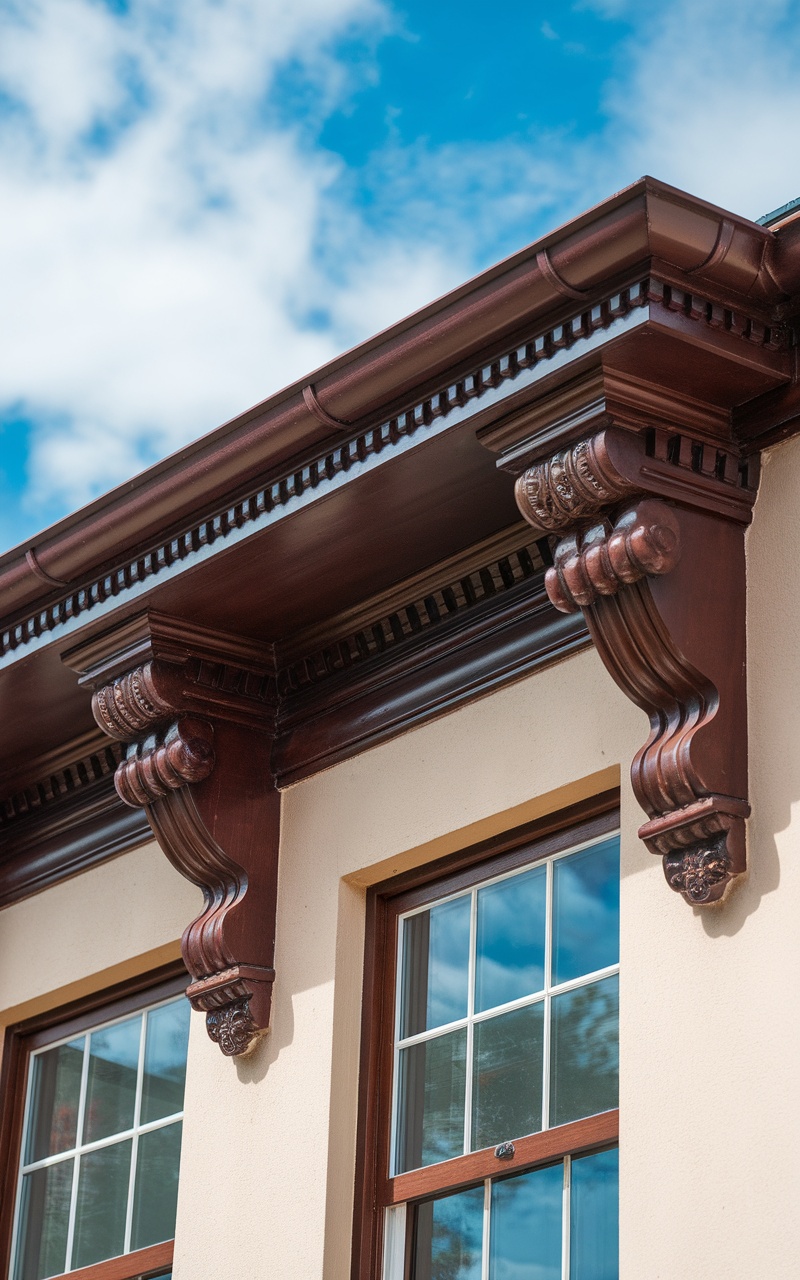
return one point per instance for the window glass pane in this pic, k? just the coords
(55, 1090)
(448, 1237)
(507, 1076)
(525, 1232)
(585, 1055)
(586, 911)
(594, 1210)
(435, 967)
(156, 1194)
(165, 1060)
(430, 1120)
(102, 1204)
(43, 1223)
(510, 950)
(111, 1090)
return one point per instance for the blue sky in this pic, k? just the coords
(203, 200)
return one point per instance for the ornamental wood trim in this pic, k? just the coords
(68, 819)
(742, 332)
(196, 714)
(661, 586)
(474, 623)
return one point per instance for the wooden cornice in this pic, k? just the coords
(738, 342)
(425, 646)
(648, 228)
(196, 711)
(651, 522)
(356, 523)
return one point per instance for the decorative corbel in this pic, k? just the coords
(651, 549)
(196, 709)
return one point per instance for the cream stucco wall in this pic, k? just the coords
(274, 1137)
(121, 918)
(710, 1117)
(709, 1046)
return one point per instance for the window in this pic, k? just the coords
(494, 1077)
(97, 1103)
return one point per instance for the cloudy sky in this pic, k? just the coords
(203, 199)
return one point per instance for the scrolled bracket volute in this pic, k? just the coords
(651, 550)
(196, 711)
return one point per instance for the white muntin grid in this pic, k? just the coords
(84, 1148)
(395, 1217)
(395, 1227)
(545, 996)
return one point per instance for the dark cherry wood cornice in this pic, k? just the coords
(196, 709)
(357, 524)
(650, 525)
(721, 254)
(699, 337)
(423, 647)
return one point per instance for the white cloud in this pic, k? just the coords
(157, 285)
(173, 253)
(709, 101)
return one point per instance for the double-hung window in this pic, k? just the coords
(495, 1116)
(99, 1101)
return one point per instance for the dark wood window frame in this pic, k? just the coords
(21, 1039)
(386, 902)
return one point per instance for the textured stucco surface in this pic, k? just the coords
(274, 1138)
(710, 1121)
(709, 1045)
(121, 918)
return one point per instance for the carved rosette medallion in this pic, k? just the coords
(233, 1029)
(661, 585)
(196, 716)
(701, 874)
(570, 486)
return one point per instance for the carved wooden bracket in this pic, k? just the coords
(196, 709)
(651, 549)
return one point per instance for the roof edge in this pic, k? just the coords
(646, 220)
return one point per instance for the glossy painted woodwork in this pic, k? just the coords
(195, 710)
(661, 583)
(295, 527)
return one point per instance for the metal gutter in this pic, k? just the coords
(648, 221)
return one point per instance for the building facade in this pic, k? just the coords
(322, 675)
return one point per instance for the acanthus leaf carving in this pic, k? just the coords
(197, 715)
(232, 1028)
(661, 585)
